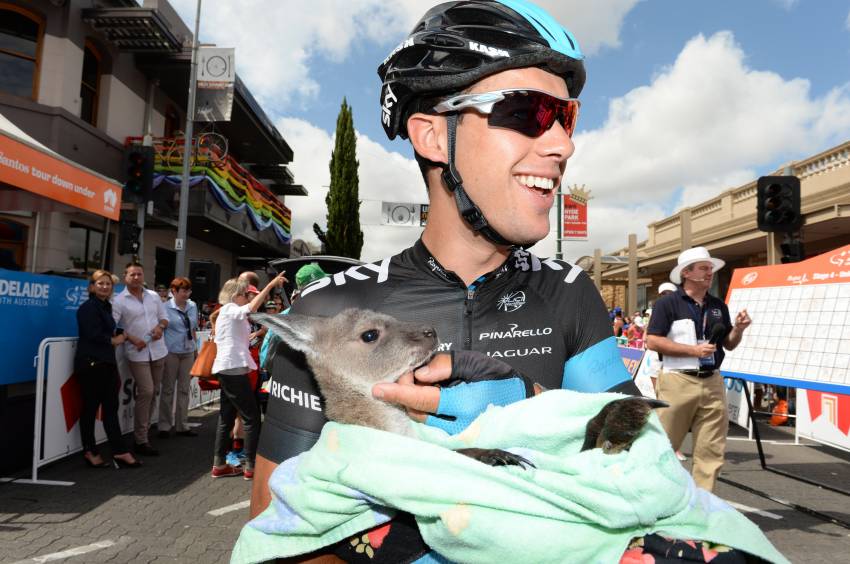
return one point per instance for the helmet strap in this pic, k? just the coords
(470, 212)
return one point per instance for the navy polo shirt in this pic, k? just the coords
(679, 305)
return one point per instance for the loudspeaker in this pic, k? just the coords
(205, 276)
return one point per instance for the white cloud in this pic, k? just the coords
(383, 175)
(277, 43)
(703, 125)
(596, 24)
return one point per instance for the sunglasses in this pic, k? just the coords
(530, 112)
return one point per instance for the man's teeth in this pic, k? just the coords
(536, 182)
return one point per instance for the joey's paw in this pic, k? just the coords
(496, 457)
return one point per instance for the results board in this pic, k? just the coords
(800, 333)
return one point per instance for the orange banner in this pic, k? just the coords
(25, 167)
(828, 268)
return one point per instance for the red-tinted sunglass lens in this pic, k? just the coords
(533, 113)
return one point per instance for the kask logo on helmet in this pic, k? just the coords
(487, 50)
(403, 45)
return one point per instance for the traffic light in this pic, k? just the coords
(778, 203)
(128, 238)
(792, 250)
(138, 168)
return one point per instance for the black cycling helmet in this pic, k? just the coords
(458, 43)
(455, 45)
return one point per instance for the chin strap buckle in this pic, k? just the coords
(467, 208)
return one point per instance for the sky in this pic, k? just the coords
(684, 99)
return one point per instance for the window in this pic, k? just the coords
(20, 36)
(90, 84)
(84, 246)
(13, 244)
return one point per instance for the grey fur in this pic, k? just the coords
(346, 366)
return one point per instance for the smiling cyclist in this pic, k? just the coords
(486, 93)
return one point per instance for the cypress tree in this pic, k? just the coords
(344, 237)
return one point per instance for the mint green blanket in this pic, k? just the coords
(573, 507)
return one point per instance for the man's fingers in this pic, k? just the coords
(419, 416)
(437, 370)
(422, 399)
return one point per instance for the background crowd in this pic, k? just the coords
(157, 333)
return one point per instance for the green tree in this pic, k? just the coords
(343, 236)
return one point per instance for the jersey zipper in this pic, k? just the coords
(467, 317)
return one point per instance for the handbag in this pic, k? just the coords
(202, 367)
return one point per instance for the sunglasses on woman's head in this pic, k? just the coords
(530, 112)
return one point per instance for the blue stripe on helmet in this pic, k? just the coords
(558, 37)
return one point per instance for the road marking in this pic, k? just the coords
(235, 507)
(748, 509)
(74, 551)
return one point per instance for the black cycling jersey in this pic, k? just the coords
(543, 317)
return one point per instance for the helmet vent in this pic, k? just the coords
(442, 40)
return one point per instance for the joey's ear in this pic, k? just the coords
(297, 331)
(427, 133)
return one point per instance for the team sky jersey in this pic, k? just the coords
(543, 317)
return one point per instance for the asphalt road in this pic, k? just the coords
(172, 511)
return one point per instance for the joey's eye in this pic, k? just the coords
(369, 336)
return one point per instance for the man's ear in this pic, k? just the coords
(427, 134)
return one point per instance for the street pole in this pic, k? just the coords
(183, 211)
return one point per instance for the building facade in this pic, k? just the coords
(80, 81)
(726, 225)
(83, 79)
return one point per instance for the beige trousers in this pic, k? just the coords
(147, 376)
(698, 405)
(177, 366)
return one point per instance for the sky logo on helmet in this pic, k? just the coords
(386, 110)
(487, 50)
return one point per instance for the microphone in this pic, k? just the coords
(718, 330)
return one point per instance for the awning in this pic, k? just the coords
(28, 165)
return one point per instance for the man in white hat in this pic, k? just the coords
(690, 328)
(666, 288)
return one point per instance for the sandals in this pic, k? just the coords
(121, 463)
(88, 456)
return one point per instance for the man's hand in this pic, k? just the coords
(416, 391)
(742, 320)
(471, 382)
(156, 334)
(704, 349)
(138, 343)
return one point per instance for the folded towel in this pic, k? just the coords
(572, 507)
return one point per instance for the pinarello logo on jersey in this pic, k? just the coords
(749, 278)
(511, 301)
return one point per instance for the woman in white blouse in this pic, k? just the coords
(232, 363)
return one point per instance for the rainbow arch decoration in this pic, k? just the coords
(234, 189)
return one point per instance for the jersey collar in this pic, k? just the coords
(425, 261)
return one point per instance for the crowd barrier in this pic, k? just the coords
(58, 405)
